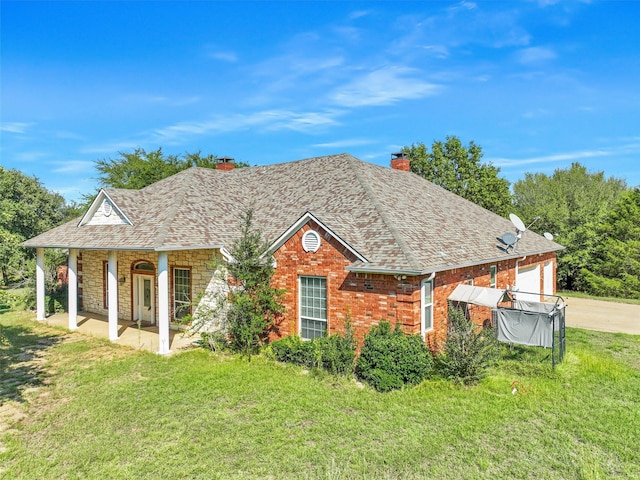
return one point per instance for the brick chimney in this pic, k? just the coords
(400, 161)
(225, 163)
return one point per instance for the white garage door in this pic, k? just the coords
(529, 281)
(548, 278)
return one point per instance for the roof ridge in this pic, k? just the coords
(413, 261)
(172, 211)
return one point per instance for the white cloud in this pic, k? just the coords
(73, 166)
(384, 86)
(268, 120)
(536, 55)
(27, 156)
(358, 14)
(535, 113)
(438, 51)
(230, 57)
(629, 148)
(15, 127)
(352, 142)
(151, 99)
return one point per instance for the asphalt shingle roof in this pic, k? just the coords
(396, 220)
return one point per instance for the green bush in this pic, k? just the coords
(8, 300)
(293, 349)
(468, 350)
(390, 359)
(335, 353)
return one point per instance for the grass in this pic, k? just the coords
(90, 409)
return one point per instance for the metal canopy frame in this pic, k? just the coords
(556, 316)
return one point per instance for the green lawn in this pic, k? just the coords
(77, 407)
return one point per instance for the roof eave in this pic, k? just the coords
(444, 268)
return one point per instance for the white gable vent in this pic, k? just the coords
(311, 241)
(106, 208)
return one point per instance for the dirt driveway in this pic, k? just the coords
(603, 316)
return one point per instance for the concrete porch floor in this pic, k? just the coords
(145, 338)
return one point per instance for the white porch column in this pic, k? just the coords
(39, 283)
(113, 294)
(163, 303)
(73, 288)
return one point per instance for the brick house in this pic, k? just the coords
(348, 238)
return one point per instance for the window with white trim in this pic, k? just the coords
(427, 306)
(313, 307)
(181, 292)
(493, 271)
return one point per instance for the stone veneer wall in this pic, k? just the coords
(91, 274)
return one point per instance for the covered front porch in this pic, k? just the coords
(143, 338)
(112, 286)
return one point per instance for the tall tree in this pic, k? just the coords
(570, 204)
(615, 269)
(26, 210)
(459, 169)
(140, 168)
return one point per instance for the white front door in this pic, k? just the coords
(143, 299)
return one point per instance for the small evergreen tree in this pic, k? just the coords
(253, 303)
(468, 350)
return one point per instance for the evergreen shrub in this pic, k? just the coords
(390, 359)
(335, 353)
(468, 350)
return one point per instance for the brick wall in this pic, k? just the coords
(369, 298)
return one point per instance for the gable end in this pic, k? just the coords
(302, 221)
(104, 211)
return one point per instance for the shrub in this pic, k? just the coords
(468, 350)
(215, 341)
(390, 359)
(7, 300)
(335, 353)
(293, 349)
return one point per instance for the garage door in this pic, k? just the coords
(528, 281)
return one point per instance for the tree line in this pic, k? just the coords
(596, 219)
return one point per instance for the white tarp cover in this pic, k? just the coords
(525, 327)
(487, 297)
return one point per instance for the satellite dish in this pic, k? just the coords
(519, 224)
(548, 236)
(509, 238)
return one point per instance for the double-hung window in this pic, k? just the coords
(181, 292)
(313, 307)
(427, 306)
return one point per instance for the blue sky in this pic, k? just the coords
(537, 84)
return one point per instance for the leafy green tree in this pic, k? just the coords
(140, 168)
(570, 204)
(459, 169)
(615, 269)
(26, 210)
(254, 304)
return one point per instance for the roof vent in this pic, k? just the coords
(225, 163)
(106, 207)
(311, 241)
(400, 161)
